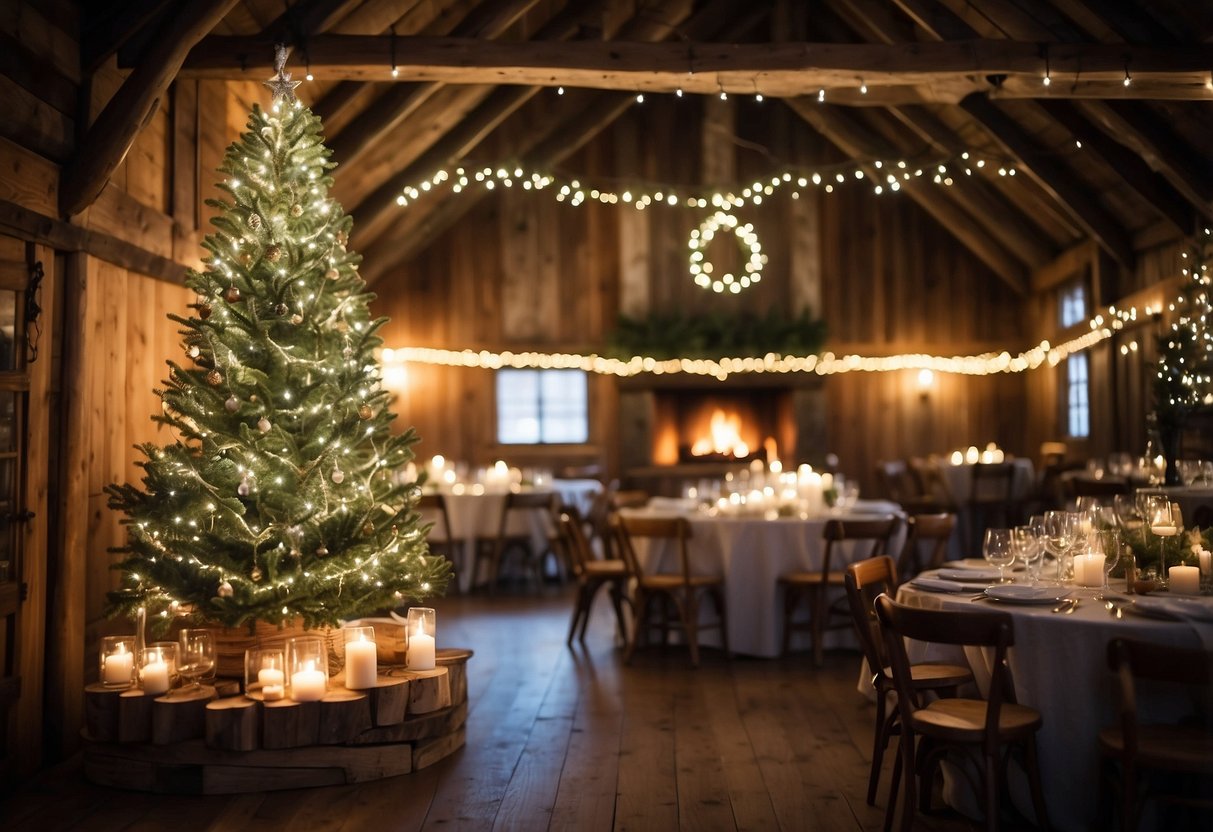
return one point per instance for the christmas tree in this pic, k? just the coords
(279, 497)
(1183, 380)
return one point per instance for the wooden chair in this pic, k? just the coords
(865, 580)
(631, 498)
(991, 502)
(980, 727)
(515, 504)
(680, 589)
(933, 529)
(591, 575)
(902, 486)
(1090, 487)
(815, 585)
(1180, 751)
(448, 546)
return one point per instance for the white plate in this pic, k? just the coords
(985, 576)
(1024, 594)
(1175, 606)
(940, 585)
(968, 563)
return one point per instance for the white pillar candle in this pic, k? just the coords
(118, 667)
(421, 651)
(361, 665)
(307, 685)
(271, 676)
(1185, 580)
(1206, 562)
(1165, 530)
(155, 678)
(1088, 569)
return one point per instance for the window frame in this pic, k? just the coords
(538, 373)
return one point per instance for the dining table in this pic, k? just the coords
(751, 552)
(1059, 666)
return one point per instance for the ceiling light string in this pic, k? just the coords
(392, 43)
(1048, 79)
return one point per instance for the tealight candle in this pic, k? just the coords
(422, 648)
(361, 662)
(1184, 580)
(1088, 569)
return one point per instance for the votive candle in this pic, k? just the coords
(361, 662)
(421, 633)
(1184, 580)
(1088, 569)
(308, 684)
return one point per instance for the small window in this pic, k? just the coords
(1078, 409)
(1073, 304)
(542, 407)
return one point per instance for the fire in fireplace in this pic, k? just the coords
(723, 437)
(719, 426)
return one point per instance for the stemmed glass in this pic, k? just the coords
(197, 656)
(1028, 550)
(997, 550)
(1106, 542)
(1165, 521)
(1060, 534)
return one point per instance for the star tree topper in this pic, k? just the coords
(281, 84)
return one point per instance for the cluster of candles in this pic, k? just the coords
(764, 490)
(300, 672)
(972, 456)
(455, 478)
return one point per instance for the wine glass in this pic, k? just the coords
(1028, 550)
(197, 656)
(1164, 520)
(1106, 542)
(1060, 534)
(996, 549)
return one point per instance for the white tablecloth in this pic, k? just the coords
(752, 553)
(1059, 664)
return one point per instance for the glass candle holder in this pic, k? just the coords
(361, 660)
(307, 664)
(117, 661)
(158, 667)
(265, 673)
(422, 632)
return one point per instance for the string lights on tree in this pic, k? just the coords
(277, 500)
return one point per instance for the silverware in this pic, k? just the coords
(1073, 606)
(1067, 605)
(1114, 609)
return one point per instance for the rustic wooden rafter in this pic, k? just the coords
(106, 27)
(778, 69)
(309, 17)
(111, 135)
(1050, 174)
(392, 108)
(859, 142)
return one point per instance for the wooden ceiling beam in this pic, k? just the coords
(109, 138)
(309, 17)
(1129, 166)
(783, 69)
(1052, 176)
(391, 109)
(1001, 218)
(106, 27)
(858, 142)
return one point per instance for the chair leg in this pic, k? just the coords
(591, 592)
(879, 742)
(992, 781)
(817, 615)
(578, 610)
(617, 603)
(1128, 795)
(639, 631)
(1038, 792)
(688, 611)
(891, 807)
(909, 806)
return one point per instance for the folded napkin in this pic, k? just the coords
(940, 585)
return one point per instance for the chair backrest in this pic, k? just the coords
(540, 501)
(634, 498)
(437, 504)
(968, 627)
(930, 480)
(655, 530)
(1131, 660)
(573, 541)
(873, 533)
(867, 579)
(896, 481)
(933, 529)
(992, 482)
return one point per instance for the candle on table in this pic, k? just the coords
(1165, 530)
(272, 681)
(1206, 562)
(361, 664)
(155, 677)
(308, 684)
(1088, 569)
(272, 693)
(118, 666)
(1185, 580)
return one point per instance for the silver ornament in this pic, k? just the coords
(194, 351)
(254, 221)
(322, 552)
(263, 425)
(338, 476)
(232, 404)
(244, 488)
(225, 590)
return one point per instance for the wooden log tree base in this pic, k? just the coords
(194, 742)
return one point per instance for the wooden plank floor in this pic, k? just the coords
(566, 739)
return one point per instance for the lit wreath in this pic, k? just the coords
(702, 268)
